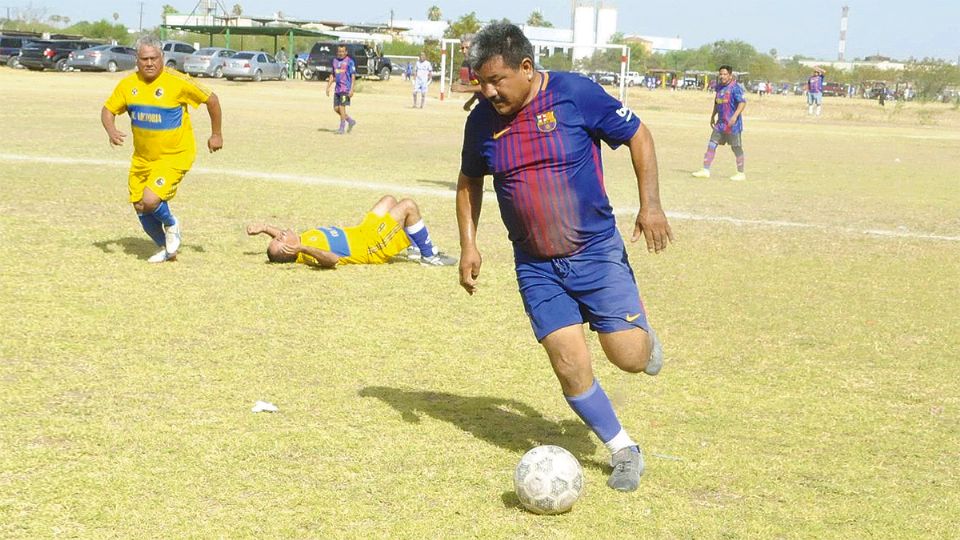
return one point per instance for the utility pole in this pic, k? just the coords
(141, 17)
(391, 18)
(843, 32)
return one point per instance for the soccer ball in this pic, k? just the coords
(548, 480)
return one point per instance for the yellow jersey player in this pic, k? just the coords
(389, 228)
(157, 99)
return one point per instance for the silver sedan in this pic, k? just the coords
(103, 58)
(254, 65)
(207, 62)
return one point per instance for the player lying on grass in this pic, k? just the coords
(386, 231)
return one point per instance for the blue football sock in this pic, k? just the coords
(164, 215)
(153, 229)
(595, 409)
(421, 237)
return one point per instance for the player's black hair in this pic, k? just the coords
(726, 67)
(271, 257)
(500, 39)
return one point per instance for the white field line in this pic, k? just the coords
(449, 194)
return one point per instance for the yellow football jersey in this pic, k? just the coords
(374, 241)
(159, 117)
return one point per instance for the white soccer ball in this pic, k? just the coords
(548, 480)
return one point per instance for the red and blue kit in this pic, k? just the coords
(570, 260)
(728, 98)
(545, 163)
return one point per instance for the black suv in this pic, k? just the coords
(51, 54)
(10, 48)
(369, 62)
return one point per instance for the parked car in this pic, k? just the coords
(254, 65)
(207, 62)
(176, 52)
(833, 89)
(103, 58)
(51, 53)
(10, 49)
(369, 62)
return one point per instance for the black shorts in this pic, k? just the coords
(341, 99)
(720, 137)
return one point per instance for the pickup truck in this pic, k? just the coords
(369, 62)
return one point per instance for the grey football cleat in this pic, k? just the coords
(627, 469)
(412, 253)
(655, 363)
(438, 259)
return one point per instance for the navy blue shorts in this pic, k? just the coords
(341, 99)
(593, 286)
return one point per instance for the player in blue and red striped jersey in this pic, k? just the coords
(727, 122)
(538, 134)
(815, 91)
(344, 76)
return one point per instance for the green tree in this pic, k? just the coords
(167, 9)
(738, 54)
(536, 19)
(102, 29)
(237, 10)
(467, 24)
(433, 14)
(116, 16)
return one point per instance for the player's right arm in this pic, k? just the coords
(469, 202)
(109, 121)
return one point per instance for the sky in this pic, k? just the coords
(898, 29)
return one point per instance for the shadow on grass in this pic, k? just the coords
(507, 423)
(140, 248)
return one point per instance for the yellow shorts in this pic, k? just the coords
(159, 178)
(383, 238)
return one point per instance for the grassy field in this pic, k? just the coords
(809, 315)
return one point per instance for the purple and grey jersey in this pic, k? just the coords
(545, 163)
(726, 102)
(815, 84)
(343, 72)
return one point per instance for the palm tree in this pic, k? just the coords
(237, 10)
(116, 15)
(536, 19)
(433, 14)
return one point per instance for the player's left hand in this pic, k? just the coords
(351, 94)
(652, 224)
(215, 142)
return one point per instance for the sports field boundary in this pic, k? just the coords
(450, 194)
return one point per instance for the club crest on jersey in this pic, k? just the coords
(159, 92)
(134, 91)
(546, 122)
(160, 181)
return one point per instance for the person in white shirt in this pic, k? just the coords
(423, 74)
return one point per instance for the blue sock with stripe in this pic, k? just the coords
(421, 237)
(152, 227)
(164, 215)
